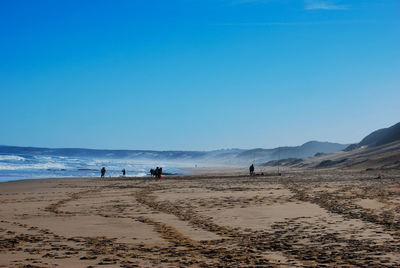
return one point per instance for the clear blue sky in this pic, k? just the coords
(197, 74)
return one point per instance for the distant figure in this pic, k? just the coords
(160, 173)
(123, 172)
(103, 171)
(152, 172)
(251, 168)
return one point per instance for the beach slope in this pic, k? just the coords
(215, 219)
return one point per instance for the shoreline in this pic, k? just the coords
(93, 177)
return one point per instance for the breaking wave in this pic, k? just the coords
(15, 167)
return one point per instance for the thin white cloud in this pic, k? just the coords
(308, 4)
(323, 5)
(299, 23)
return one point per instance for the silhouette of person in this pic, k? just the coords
(160, 173)
(123, 172)
(156, 172)
(251, 168)
(103, 171)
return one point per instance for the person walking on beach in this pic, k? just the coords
(103, 171)
(123, 172)
(251, 168)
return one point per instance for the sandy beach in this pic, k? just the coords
(211, 218)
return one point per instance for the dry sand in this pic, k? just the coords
(212, 218)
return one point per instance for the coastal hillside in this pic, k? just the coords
(378, 150)
(379, 137)
(306, 150)
(215, 157)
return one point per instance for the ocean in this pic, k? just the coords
(20, 167)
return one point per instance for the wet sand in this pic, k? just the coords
(212, 218)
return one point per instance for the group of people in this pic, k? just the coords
(157, 173)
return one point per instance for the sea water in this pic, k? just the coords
(18, 167)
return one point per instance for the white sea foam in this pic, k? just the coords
(11, 157)
(141, 174)
(7, 166)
